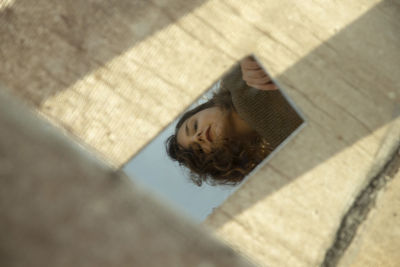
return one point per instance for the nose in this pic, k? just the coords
(199, 136)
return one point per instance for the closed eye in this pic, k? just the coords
(195, 126)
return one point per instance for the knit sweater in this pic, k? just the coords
(267, 112)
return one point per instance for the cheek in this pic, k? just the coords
(221, 130)
(225, 127)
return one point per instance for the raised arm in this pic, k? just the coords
(255, 76)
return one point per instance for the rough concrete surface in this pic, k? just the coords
(377, 242)
(114, 74)
(357, 215)
(59, 206)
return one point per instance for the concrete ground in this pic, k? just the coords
(377, 239)
(113, 75)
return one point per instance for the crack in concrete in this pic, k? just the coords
(360, 209)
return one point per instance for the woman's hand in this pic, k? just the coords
(255, 76)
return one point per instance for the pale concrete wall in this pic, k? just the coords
(116, 77)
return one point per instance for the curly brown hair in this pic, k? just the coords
(226, 165)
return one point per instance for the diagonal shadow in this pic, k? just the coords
(361, 61)
(55, 43)
(349, 86)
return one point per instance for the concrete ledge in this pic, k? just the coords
(60, 206)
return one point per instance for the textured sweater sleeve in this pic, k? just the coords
(267, 112)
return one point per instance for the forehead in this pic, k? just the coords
(181, 136)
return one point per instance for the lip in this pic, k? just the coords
(208, 135)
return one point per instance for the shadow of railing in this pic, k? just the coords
(351, 90)
(46, 46)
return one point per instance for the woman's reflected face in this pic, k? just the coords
(204, 130)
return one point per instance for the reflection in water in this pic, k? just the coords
(218, 141)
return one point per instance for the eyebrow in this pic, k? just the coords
(187, 129)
